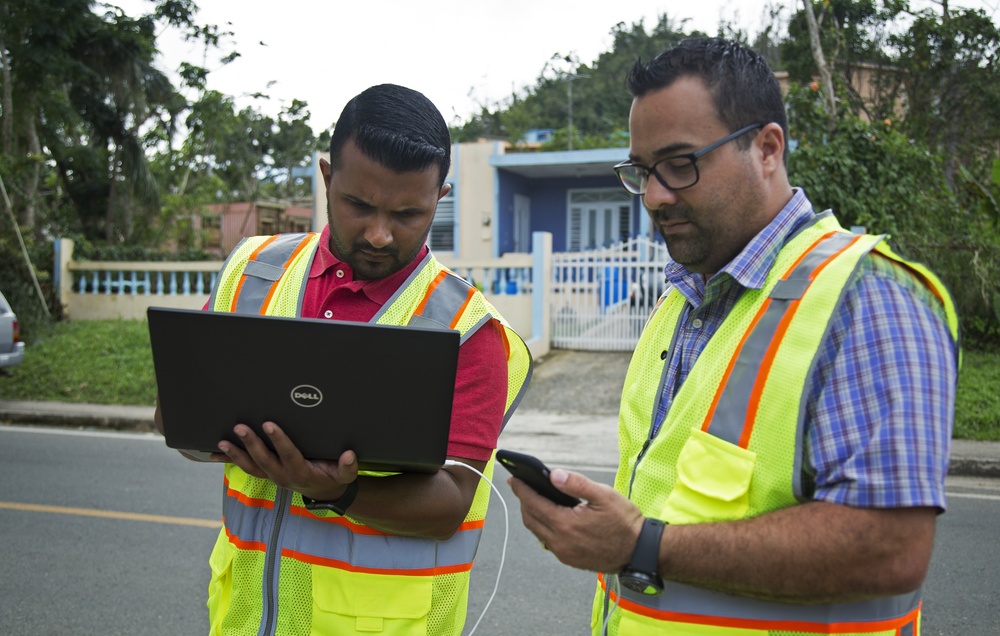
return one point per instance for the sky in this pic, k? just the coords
(460, 53)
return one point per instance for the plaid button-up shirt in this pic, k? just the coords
(880, 401)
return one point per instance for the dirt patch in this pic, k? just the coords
(577, 382)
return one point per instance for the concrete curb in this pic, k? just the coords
(128, 418)
(559, 439)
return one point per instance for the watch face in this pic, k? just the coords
(641, 582)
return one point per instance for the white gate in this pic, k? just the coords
(601, 298)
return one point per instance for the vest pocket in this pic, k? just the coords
(221, 584)
(713, 481)
(360, 603)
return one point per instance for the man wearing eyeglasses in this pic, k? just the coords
(786, 417)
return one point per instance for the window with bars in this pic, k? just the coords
(442, 235)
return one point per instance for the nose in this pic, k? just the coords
(657, 195)
(379, 231)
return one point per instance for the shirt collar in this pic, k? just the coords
(380, 290)
(750, 267)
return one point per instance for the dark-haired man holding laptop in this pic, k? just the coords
(312, 546)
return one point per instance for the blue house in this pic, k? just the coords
(501, 194)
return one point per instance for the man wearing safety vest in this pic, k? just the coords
(312, 547)
(786, 418)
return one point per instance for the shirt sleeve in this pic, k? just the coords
(480, 394)
(880, 416)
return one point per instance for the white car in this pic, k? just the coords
(11, 347)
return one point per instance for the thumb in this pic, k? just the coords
(347, 467)
(575, 484)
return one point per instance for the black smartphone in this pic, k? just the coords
(533, 472)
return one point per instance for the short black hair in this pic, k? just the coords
(742, 84)
(395, 126)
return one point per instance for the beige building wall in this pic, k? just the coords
(475, 198)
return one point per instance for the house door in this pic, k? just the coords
(598, 218)
(522, 223)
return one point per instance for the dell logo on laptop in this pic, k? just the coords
(307, 395)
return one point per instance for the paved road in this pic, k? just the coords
(108, 533)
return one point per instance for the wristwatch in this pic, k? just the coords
(640, 575)
(339, 506)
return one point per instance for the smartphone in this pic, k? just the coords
(533, 472)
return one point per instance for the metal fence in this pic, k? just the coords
(600, 299)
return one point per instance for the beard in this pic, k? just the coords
(690, 247)
(369, 262)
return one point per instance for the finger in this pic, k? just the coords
(257, 450)
(535, 509)
(286, 450)
(234, 454)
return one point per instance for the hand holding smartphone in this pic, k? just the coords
(533, 472)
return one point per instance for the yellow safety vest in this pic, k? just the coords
(731, 446)
(278, 568)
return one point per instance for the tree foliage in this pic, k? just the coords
(917, 156)
(953, 86)
(600, 103)
(98, 143)
(89, 126)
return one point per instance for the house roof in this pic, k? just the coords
(569, 163)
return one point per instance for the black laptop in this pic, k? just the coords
(383, 391)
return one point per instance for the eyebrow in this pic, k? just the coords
(359, 201)
(670, 150)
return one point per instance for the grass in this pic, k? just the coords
(109, 362)
(100, 361)
(977, 404)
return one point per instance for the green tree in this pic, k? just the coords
(293, 143)
(79, 92)
(953, 87)
(600, 102)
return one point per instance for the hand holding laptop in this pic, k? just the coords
(285, 466)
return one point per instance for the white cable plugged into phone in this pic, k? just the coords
(506, 532)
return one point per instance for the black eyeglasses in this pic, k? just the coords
(676, 172)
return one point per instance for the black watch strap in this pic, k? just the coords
(641, 573)
(339, 506)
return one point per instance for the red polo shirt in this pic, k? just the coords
(481, 380)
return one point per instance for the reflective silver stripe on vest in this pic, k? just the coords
(262, 272)
(729, 417)
(446, 300)
(319, 539)
(686, 599)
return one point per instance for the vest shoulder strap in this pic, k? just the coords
(253, 279)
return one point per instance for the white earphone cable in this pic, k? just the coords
(506, 532)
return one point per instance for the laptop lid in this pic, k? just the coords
(383, 391)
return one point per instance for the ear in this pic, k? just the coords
(445, 189)
(324, 169)
(771, 141)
